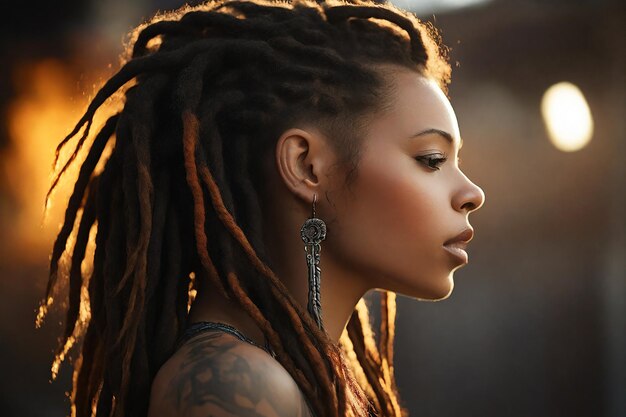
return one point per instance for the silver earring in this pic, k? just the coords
(313, 232)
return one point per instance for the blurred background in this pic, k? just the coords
(536, 323)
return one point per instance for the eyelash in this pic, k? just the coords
(428, 160)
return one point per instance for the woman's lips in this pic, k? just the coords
(463, 237)
(457, 245)
(457, 249)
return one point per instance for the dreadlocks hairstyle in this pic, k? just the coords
(205, 92)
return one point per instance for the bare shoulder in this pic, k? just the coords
(217, 375)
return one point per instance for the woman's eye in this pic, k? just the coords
(431, 161)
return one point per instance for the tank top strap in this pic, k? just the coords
(202, 326)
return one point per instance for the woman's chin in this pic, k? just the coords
(431, 287)
(440, 290)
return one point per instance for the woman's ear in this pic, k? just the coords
(303, 160)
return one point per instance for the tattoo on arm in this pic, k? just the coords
(215, 375)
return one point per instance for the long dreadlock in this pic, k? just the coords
(207, 90)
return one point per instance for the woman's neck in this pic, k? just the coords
(339, 296)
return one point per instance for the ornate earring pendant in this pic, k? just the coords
(313, 232)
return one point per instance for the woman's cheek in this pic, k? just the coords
(400, 200)
(390, 224)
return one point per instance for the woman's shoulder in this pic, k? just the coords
(216, 374)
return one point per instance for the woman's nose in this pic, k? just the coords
(470, 197)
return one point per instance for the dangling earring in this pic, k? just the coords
(313, 232)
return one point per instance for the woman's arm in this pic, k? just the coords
(217, 375)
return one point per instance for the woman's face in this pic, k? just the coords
(406, 201)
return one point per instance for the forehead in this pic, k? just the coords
(419, 104)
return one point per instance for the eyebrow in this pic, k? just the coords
(441, 133)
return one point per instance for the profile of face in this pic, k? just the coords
(410, 197)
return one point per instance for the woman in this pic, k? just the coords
(251, 130)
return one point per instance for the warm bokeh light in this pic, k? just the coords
(192, 290)
(38, 118)
(48, 104)
(50, 100)
(567, 117)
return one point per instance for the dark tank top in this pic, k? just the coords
(202, 326)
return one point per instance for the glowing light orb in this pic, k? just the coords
(567, 117)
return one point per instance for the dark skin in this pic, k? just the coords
(411, 201)
(215, 374)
